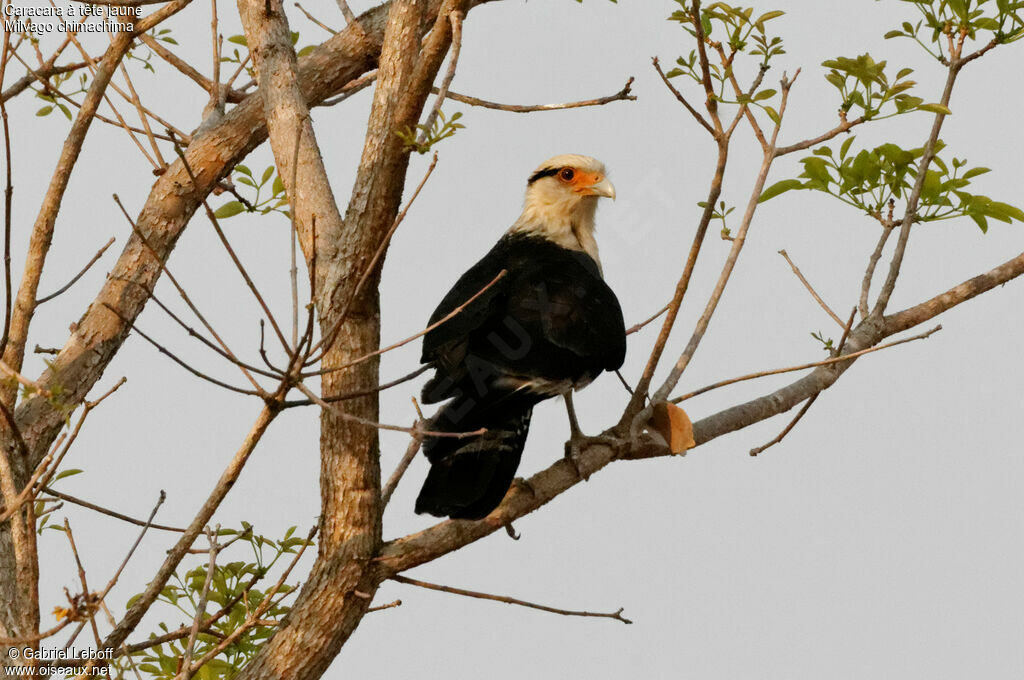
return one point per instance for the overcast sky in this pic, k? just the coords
(881, 538)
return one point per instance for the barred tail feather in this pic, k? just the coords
(469, 476)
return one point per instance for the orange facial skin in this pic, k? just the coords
(580, 181)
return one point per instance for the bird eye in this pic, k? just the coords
(567, 174)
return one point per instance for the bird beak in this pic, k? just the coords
(602, 188)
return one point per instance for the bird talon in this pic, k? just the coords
(512, 533)
(524, 484)
(572, 454)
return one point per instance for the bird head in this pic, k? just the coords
(563, 192)
(561, 200)
(569, 180)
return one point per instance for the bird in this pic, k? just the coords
(532, 320)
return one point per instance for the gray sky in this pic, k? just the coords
(880, 539)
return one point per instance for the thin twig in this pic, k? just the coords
(652, 318)
(796, 419)
(455, 18)
(346, 11)
(389, 605)
(415, 431)
(204, 597)
(507, 600)
(353, 86)
(181, 362)
(328, 339)
(396, 476)
(174, 556)
(625, 94)
(810, 402)
(869, 273)
(315, 20)
(730, 263)
(107, 511)
(231, 252)
(79, 275)
(790, 369)
(225, 350)
(682, 100)
(448, 317)
(345, 396)
(810, 289)
(254, 618)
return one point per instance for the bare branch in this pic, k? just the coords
(453, 60)
(802, 367)
(403, 465)
(810, 289)
(636, 327)
(389, 605)
(328, 339)
(617, 615)
(204, 596)
(232, 96)
(179, 550)
(107, 511)
(345, 396)
(844, 126)
(181, 362)
(912, 316)
(682, 100)
(346, 11)
(869, 273)
(445, 319)
(786, 430)
(730, 262)
(810, 402)
(79, 275)
(625, 94)
(316, 21)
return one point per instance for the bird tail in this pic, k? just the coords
(469, 476)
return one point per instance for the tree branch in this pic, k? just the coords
(617, 615)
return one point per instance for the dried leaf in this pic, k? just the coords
(672, 423)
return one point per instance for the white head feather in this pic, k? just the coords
(561, 201)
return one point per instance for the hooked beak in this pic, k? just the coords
(601, 188)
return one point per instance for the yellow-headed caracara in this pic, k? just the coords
(548, 326)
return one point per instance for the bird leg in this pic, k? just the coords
(574, 425)
(576, 436)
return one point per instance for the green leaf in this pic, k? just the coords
(1008, 210)
(846, 147)
(764, 94)
(229, 209)
(773, 114)
(935, 108)
(894, 34)
(45, 111)
(974, 172)
(266, 174)
(238, 40)
(67, 473)
(780, 188)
